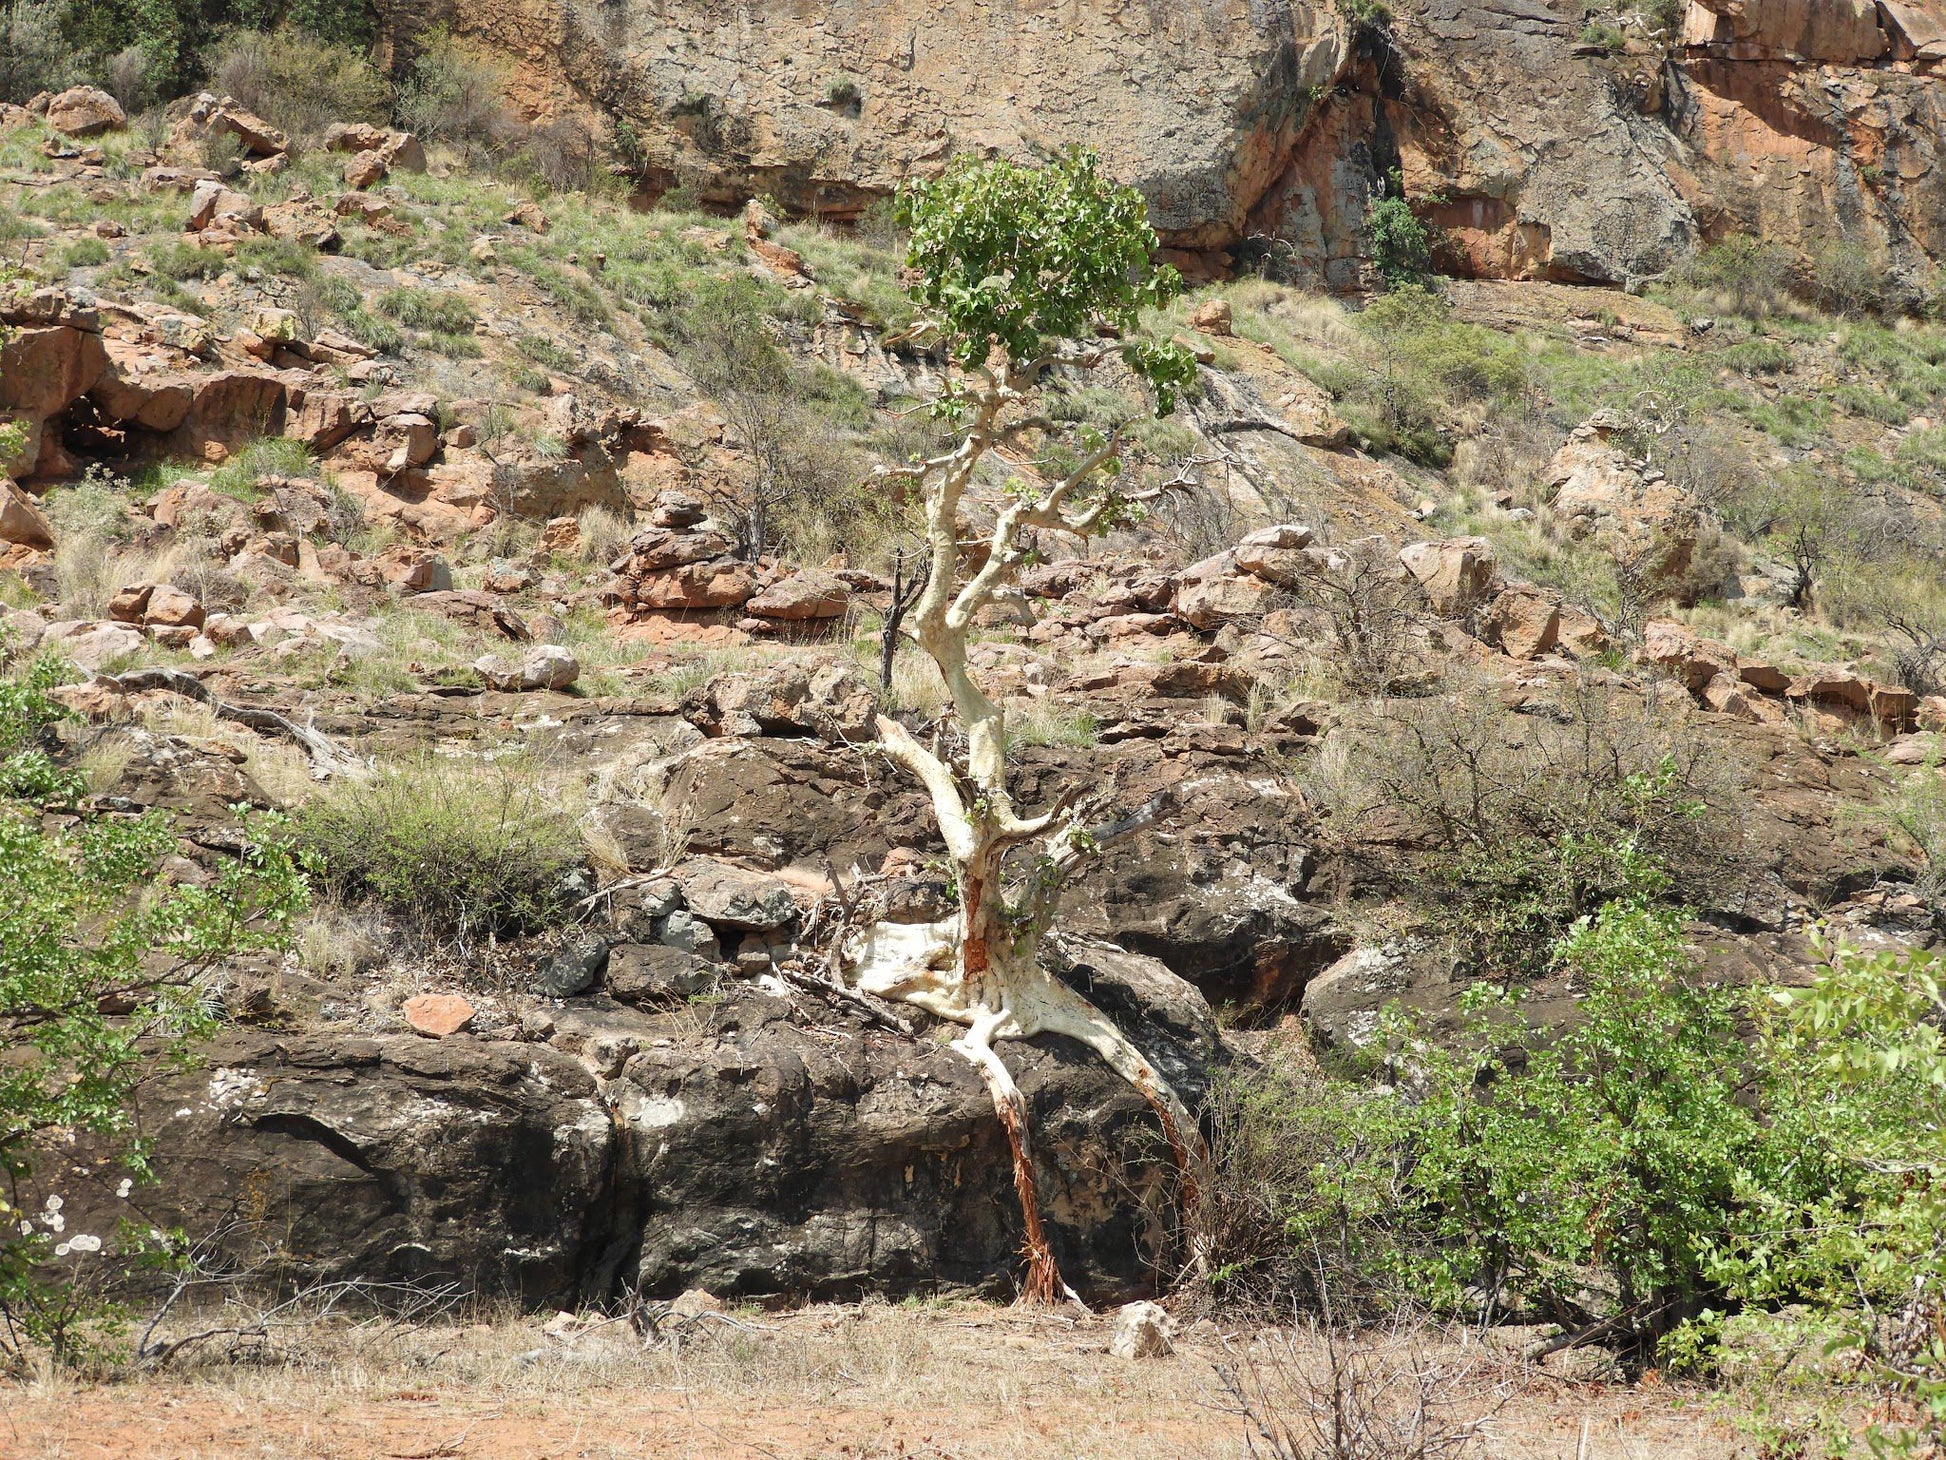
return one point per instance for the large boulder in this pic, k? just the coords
(401, 1159)
(763, 1147)
(813, 594)
(85, 111)
(731, 897)
(544, 667)
(1216, 591)
(21, 521)
(1840, 32)
(1457, 573)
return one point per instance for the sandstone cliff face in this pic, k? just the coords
(1263, 126)
(829, 106)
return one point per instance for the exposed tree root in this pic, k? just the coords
(900, 963)
(1043, 1283)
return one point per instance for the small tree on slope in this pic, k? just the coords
(1022, 273)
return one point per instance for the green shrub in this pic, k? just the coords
(1619, 1145)
(1402, 245)
(1418, 367)
(1367, 17)
(88, 925)
(1600, 33)
(299, 81)
(36, 51)
(1742, 274)
(455, 849)
(84, 253)
(456, 94)
(1856, 1089)
(1848, 280)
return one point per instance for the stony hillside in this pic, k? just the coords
(356, 479)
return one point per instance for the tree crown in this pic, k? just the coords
(1024, 258)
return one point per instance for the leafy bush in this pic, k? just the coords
(1402, 245)
(979, 224)
(1417, 368)
(1847, 280)
(1367, 17)
(1857, 1090)
(174, 35)
(102, 970)
(454, 849)
(1619, 1145)
(27, 713)
(1635, 1174)
(36, 53)
(1308, 1207)
(298, 81)
(805, 488)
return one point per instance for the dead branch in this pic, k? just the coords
(328, 758)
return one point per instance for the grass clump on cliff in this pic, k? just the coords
(453, 849)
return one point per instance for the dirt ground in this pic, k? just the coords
(953, 1382)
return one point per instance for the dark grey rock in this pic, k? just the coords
(685, 931)
(572, 969)
(653, 973)
(731, 897)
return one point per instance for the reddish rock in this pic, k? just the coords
(1212, 593)
(85, 111)
(720, 584)
(1213, 317)
(21, 521)
(1581, 633)
(529, 216)
(1765, 678)
(414, 570)
(365, 169)
(437, 1015)
(354, 137)
(561, 535)
(1687, 655)
(1456, 573)
(170, 607)
(212, 204)
(209, 117)
(130, 603)
(402, 441)
(97, 700)
(1523, 622)
(814, 594)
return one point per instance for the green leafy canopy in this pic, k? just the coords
(1020, 259)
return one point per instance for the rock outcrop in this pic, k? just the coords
(1262, 130)
(770, 1157)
